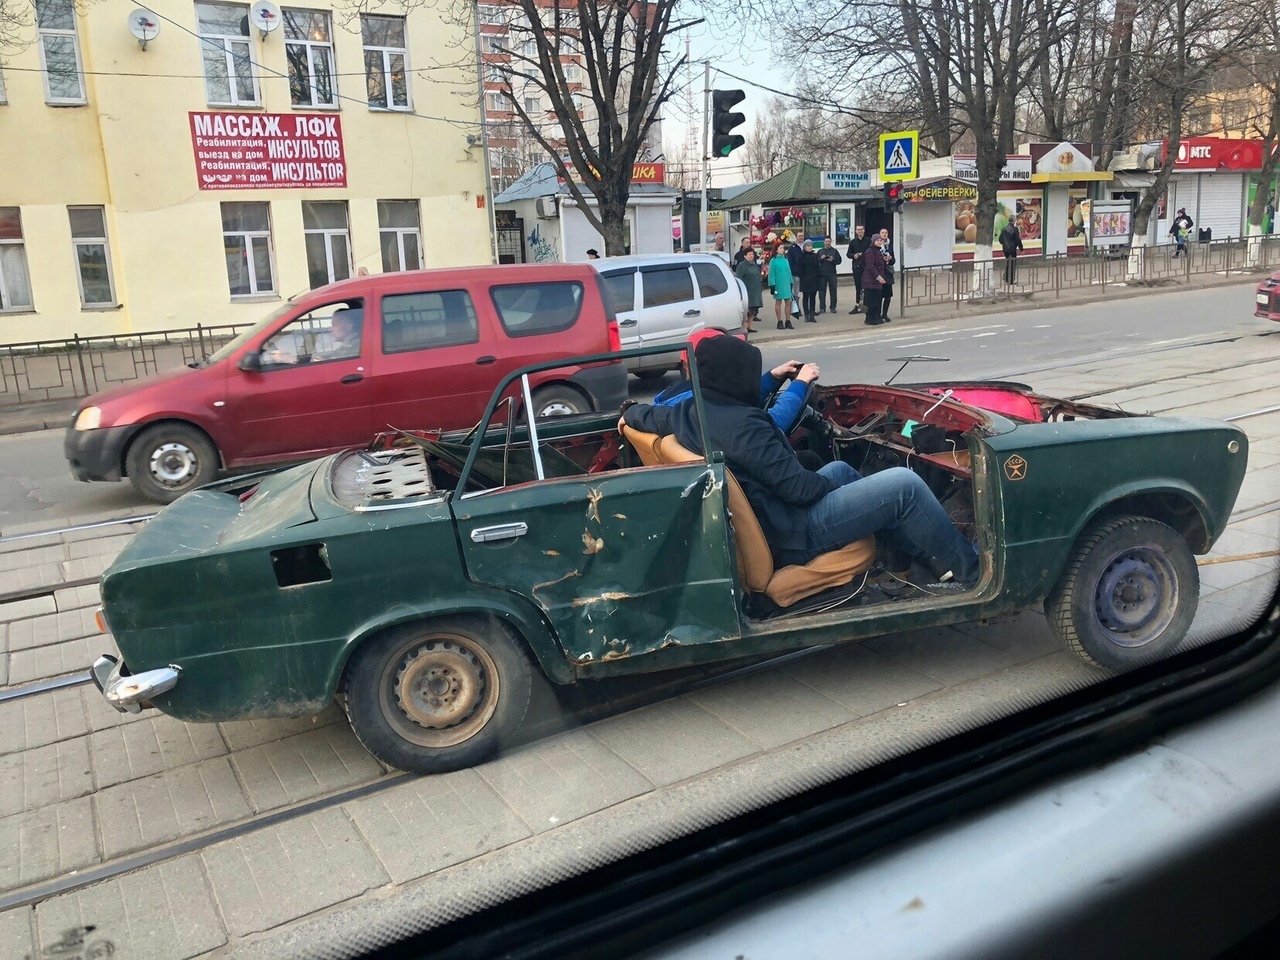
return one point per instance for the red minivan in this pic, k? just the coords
(328, 370)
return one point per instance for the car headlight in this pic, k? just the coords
(89, 418)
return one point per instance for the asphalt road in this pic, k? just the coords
(36, 491)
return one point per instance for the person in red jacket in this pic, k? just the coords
(873, 281)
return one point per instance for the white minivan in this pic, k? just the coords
(665, 299)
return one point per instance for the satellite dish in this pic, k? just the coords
(264, 15)
(144, 25)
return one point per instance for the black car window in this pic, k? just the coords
(621, 287)
(528, 309)
(711, 279)
(667, 285)
(420, 321)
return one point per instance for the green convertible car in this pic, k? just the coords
(421, 580)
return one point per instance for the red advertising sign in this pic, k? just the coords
(644, 172)
(1217, 153)
(255, 151)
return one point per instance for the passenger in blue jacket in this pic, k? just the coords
(804, 513)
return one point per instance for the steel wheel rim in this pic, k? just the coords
(1136, 596)
(174, 464)
(557, 408)
(440, 690)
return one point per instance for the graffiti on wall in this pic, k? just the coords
(541, 248)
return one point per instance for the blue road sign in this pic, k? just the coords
(899, 155)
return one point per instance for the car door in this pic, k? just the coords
(719, 299)
(622, 564)
(307, 391)
(668, 304)
(435, 364)
(620, 286)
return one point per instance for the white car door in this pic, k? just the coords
(669, 309)
(620, 284)
(720, 297)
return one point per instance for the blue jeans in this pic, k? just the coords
(897, 505)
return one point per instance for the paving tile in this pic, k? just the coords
(772, 708)
(15, 932)
(169, 805)
(243, 734)
(52, 628)
(861, 679)
(85, 568)
(69, 598)
(32, 557)
(31, 607)
(305, 766)
(1224, 576)
(46, 843)
(562, 778)
(949, 655)
(131, 751)
(672, 740)
(1026, 635)
(57, 659)
(287, 871)
(45, 775)
(165, 912)
(33, 578)
(26, 543)
(107, 547)
(429, 823)
(35, 721)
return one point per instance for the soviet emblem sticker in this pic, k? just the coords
(1015, 468)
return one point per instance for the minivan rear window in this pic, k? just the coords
(528, 309)
(711, 281)
(667, 285)
(621, 288)
(420, 321)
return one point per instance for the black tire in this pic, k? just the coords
(484, 684)
(1127, 595)
(167, 460)
(648, 376)
(558, 401)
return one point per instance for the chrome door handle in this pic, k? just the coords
(628, 323)
(503, 531)
(693, 313)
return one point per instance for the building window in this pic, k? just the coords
(532, 105)
(328, 241)
(4, 97)
(227, 54)
(246, 238)
(572, 73)
(308, 47)
(577, 102)
(386, 62)
(59, 51)
(494, 43)
(494, 74)
(498, 103)
(400, 233)
(93, 255)
(491, 14)
(15, 282)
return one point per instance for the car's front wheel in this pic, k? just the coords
(438, 696)
(557, 401)
(1127, 595)
(167, 460)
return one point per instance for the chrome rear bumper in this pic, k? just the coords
(129, 693)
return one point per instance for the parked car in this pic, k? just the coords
(1268, 298)
(326, 371)
(662, 300)
(423, 579)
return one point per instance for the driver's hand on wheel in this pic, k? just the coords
(785, 370)
(809, 373)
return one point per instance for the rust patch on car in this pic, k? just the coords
(551, 553)
(594, 497)
(620, 516)
(552, 583)
(591, 545)
(611, 596)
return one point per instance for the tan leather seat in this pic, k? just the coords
(755, 560)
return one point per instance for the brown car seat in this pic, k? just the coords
(755, 560)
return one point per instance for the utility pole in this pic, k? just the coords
(706, 150)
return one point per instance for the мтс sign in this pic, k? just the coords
(254, 151)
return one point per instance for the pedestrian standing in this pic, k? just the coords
(873, 268)
(857, 247)
(748, 271)
(810, 279)
(742, 251)
(793, 258)
(828, 259)
(780, 282)
(1011, 246)
(1180, 230)
(886, 294)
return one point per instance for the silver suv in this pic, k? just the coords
(664, 299)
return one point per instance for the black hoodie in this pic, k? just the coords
(758, 453)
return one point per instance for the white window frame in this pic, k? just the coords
(6, 304)
(329, 233)
(536, 108)
(250, 236)
(497, 103)
(313, 47)
(74, 34)
(387, 54)
(229, 59)
(77, 242)
(494, 74)
(494, 43)
(491, 14)
(572, 72)
(401, 233)
(4, 96)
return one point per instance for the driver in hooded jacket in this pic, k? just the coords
(805, 513)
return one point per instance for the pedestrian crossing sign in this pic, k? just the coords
(899, 155)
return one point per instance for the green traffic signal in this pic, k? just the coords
(723, 141)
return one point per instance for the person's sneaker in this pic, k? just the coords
(810, 319)
(780, 324)
(789, 326)
(871, 322)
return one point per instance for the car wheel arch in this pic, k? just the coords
(141, 428)
(1176, 506)
(558, 384)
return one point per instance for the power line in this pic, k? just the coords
(864, 115)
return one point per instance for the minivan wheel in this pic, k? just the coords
(651, 374)
(167, 460)
(559, 402)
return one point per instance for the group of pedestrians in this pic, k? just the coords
(873, 274)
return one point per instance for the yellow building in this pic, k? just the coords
(239, 159)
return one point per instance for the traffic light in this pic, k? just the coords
(893, 198)
(722, 121)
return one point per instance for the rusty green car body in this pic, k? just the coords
(260, 591)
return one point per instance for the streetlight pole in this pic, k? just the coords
(706, 150)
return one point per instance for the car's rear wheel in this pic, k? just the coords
(167, 460)
(1127, 595)
(555, 401)
(438, 696)
(650, 375)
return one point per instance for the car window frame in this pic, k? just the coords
(516, 334)
(719, 271)
(382, 320)
(260, 346)
(649, 268)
